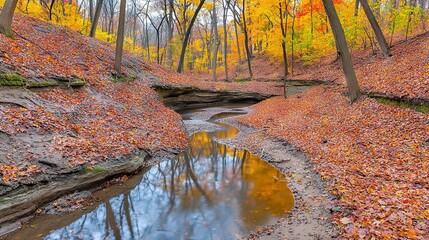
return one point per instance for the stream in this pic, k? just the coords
(211, 191)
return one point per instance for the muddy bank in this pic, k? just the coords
(314, 204)
(59, 140)
(190, 97)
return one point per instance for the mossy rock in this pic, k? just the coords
(402, 104)
(12, 80)
(86, 169)
(42, 84)
(124, 78)
(77, 82)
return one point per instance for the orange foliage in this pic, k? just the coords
(105, 120)
(375, 157)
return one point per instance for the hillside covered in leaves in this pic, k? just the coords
(62, 127)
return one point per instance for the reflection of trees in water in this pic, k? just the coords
(210, 186)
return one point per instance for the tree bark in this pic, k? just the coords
(376, 28)
(91, 10)
(187, 35)
(225, 39)
(246, 40)
(292, 37)
(285, 72)
(216, 42)
(282, 26)
(120, 37)
(170, 33)
(95, 18)
(343, 51)
(6, 16)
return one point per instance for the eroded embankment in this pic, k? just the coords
(74, 139)
(59, 140)
(314, 204)
(374, 156)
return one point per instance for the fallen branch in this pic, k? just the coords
(29, 40)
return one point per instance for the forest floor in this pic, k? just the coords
(374, 156)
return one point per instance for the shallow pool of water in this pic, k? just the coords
(211, 191)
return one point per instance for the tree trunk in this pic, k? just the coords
(225, 41)
(343, 51)
(186, 38)
(170, 33)
(238, 42)
(91, 10)
(356, 8)
(285, 72)
(120, 38)
(292, 37)
(51, 7)
(377, 30)
(246, 40)
(95, 18)
(6, 16)
(216, 42)
(282, 26)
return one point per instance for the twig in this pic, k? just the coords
(46, 51)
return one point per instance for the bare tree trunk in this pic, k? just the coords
(343, 51)
(51, 7)
(170, 33)
(91, 10)
(216, 41)
(187, 35)
(282, 26)
(6, 16)
(293, 36)
(246, 40)
(120, 38)
(377, 30)
(225, 39)
(95, 18)
(147, 33)
(356, 8)
(238, 42)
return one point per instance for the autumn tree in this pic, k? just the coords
(342, 50)
(216, 41)
(120, 37)
(225, 4)
(376, 28)
(246, 39)
(282, 16)
(96, 17)
(157, 26)
(6, 16)
(187, 35)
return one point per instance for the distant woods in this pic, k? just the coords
(213, 35)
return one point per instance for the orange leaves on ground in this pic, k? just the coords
(373, 155)
(104, 120)
(12, 172)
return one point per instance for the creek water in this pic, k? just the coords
(211, 191)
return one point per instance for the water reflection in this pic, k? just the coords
(212, 191)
